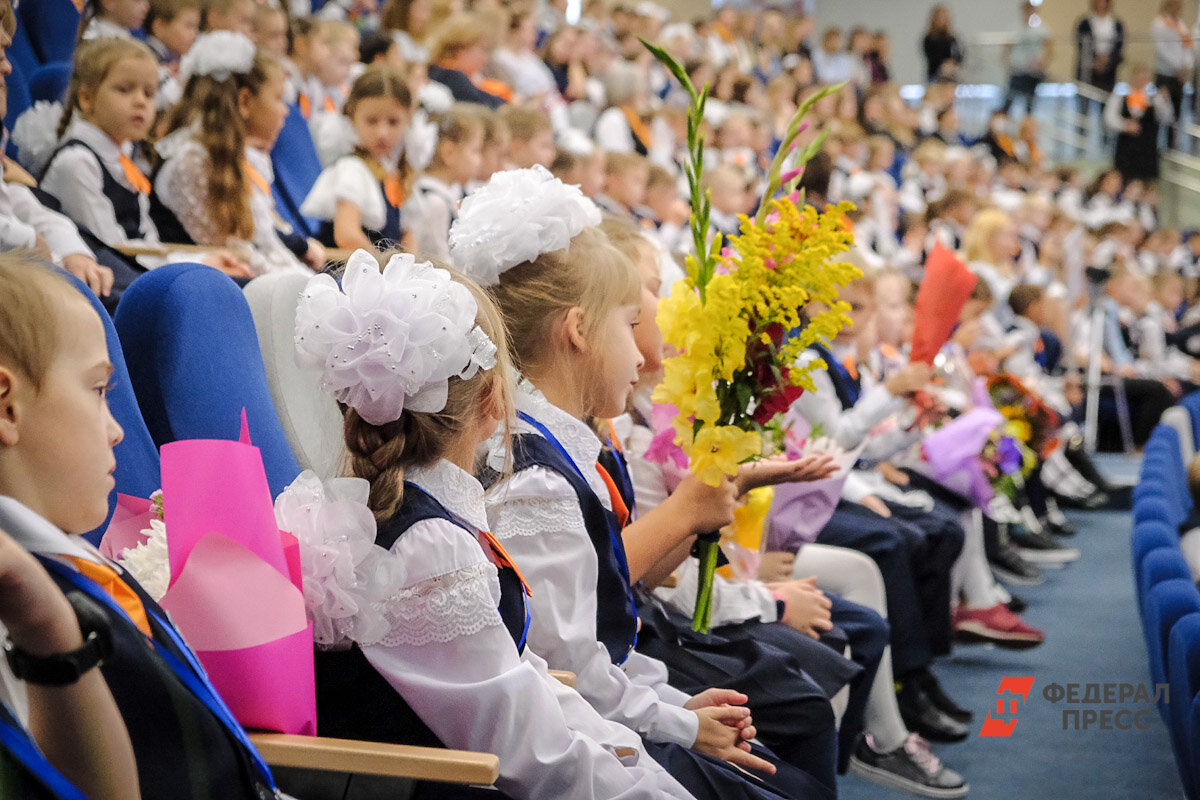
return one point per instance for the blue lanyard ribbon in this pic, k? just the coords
(17, 742)
(192, 674)
(613, 532)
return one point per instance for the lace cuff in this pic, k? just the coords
(441, 609)
(530, 516)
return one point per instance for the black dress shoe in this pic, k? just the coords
(929, 684)
(1059, 527)
(922, 716)
(1011, 568)
(1078, 457)
(1016, 604)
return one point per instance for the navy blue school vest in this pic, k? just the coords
(616, 613)
(184, 750)
(848, 389)
(124, 201)
(24, 771)
(390, 234)
(354, 701)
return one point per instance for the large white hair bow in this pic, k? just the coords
(390, 341)
(515, 217)
(218, 54)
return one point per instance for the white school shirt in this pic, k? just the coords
(612, 132)
(74, 177)
(350, 179)
(536, 514)
(23, 218)
(450, 656)
(428, 212)
(37, 535)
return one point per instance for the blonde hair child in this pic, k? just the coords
(110, 18)
(437, 193)
(570, 301)
(452, 635)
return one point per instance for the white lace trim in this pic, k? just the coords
(577, 438)
(441, 609)
(454, 488)
(533, 516)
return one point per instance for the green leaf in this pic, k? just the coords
(671, 63)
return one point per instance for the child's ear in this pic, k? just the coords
(494, 402)
(9, 412)
(244, 98)
(572, 327)
(85, 99)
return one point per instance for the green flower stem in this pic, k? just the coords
(702, 616)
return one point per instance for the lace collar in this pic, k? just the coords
(577, 438)
(454, 488)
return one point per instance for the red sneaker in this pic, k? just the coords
(996, 625)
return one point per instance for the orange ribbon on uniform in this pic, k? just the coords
(851, 367)
(256, 178)
(137, 179)
(1137, 100)
(614, 494)
(110, 581)
(637, 125)
(393, 190)
(503, 559)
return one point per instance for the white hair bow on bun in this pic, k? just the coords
(218, 55)
(390, 341)
(515, 217)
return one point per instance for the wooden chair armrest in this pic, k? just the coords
(563, 676)
(670, 582)
(377, 758)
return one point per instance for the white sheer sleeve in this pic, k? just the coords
(450, 656)
(182, 186)
(537, 516)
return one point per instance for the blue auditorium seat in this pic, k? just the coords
(1193, 747)
(18, 100)
(297, 165)
(1183, 674)
(137, 458)
(52, 26)
(1157, 507)
(50, 80)
(1168, 602)
(1192, 403)
(199, 363)
(1147, 536)
(21, 52)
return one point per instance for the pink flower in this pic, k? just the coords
(663, 450)
(790, 175)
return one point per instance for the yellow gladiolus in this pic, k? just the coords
(718, 450)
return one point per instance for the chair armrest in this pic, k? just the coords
(565, 677)
(377, 758)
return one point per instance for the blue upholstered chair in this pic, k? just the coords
(195, 363)
(1183, 674)
(52, 26)
(49, 81)
(1147, 536)
(1167, 602)
(296, 166)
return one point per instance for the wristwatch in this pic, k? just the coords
(63, 669)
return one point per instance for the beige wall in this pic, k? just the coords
(686, 10)
(1136, 14)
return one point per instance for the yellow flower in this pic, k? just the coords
(1019, 429)
(718, 450)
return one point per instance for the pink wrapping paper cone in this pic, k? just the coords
(235, 593)
(131, 516)
(268, 705)
(799, 511)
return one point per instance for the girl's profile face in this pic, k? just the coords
(618, 362)
(264, 112)
(380, 123)
(466, 157)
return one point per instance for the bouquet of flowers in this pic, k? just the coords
(1029, 420)
(743, 316)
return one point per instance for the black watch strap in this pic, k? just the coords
(62, 669)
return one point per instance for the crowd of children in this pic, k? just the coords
(540, 166)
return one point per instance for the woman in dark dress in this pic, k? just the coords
(943, 53)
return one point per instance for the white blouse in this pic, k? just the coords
(428, 212)
(182, 186)
(75, 179)
(348, 179)
(450, 656)
(537, 516)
